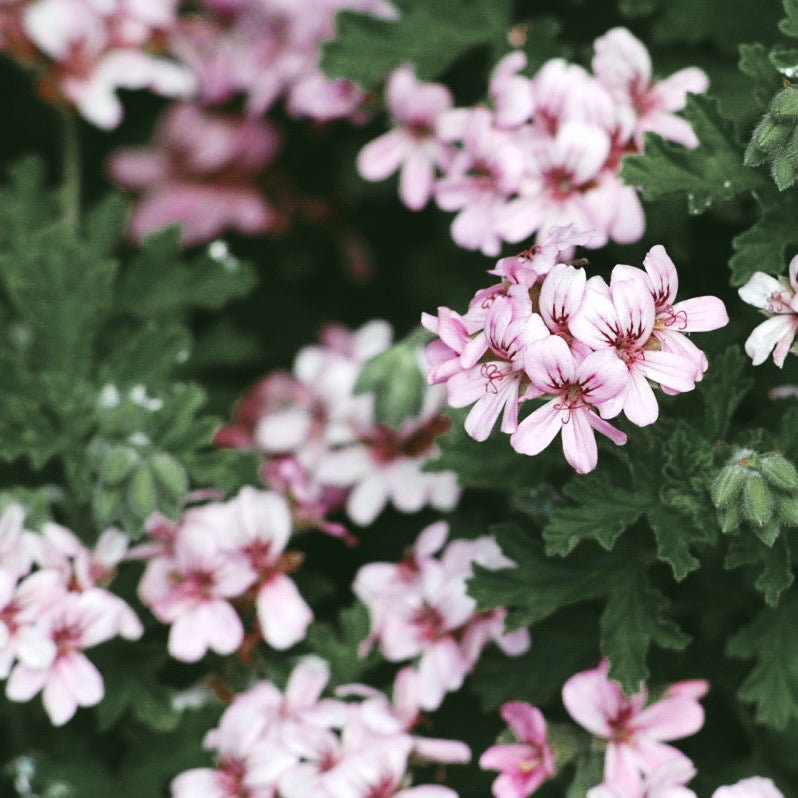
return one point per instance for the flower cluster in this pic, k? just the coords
(637, 762)
(88, 50)
(777, 298)
(201, 174)
(217, 553)
(49, 616)
(205, 168)
(322, 446)
(589, 348)
(545, 152)
(419, 609)
(300, 744)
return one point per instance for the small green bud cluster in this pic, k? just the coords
(775, 139)
(134, 481)
(760, 490)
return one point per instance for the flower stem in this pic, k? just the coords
(70, 188)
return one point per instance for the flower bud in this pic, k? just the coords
(106, 503)
(169, 475)
(729, 519)
(768, 533)
(727, 485)
(142, 494)
(771, 134)
(758, 502)
(784, 171)
(787, 508)
(780, 473)
(117, 463)
(785, 104)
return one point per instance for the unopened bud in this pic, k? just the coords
(729, 519)
(787, 508)
(142, 494)
(117, 463)
(768, 533)
(758, 502)
(727, 485)
(784, 171)
(780, 473)
(785, 104)
(771, 134)
(169, 475)
(106, 503)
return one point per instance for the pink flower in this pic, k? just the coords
(478, 183)
(524, 765)
(623, 65)
(75, 623)
(492, 365)
(189, 589)
(578, 389)
(634, 732)
(699, 314)
(511, 93)
(668, 780)
(621, 319)
(778, 298)
(260, 531)
(754, 787)
(413, 145)
(200, 174)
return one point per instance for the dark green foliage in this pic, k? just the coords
(429, 35)
(772, 685)
(708, 175)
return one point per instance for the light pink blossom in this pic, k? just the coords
(526, 764)
(778, 299)
(577, 389)
(754, 787)
(634, 732)
(413, 145)
(623, 65)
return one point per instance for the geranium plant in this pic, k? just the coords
(387, 406)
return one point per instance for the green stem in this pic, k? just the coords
(70, 189)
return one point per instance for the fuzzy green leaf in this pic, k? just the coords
(723, 389)
(160, 280)
(772, 640)
(632, 621)
(338, 644)
(761, 247)
(711, 173)
(603, 513)
(431, 36)
(755, 63)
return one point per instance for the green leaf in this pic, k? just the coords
(562, 645)
(431, 36)
(539, 585)
(770, 565)
(488, 464)
(61, 290)
(761, 247)
(604, 512)
(161, 280)
(789, 25)
(632, 620)
(772, 640)
(673, 544)
(723, 389)
(132, 686)
(146, 356)
(637, 8)
(396, 380)
(338, 644)
(756, 64)
(711, 173)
